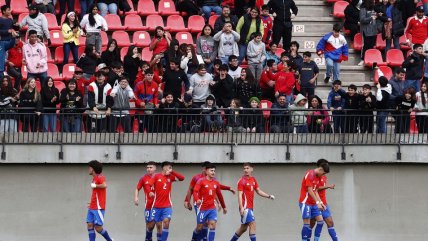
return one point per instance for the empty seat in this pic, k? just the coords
(404, 47)
(123, 52)
(53, 72)
(339, 9)
(167, 7)
(18, 6)
(59, 55)
(152, 21)
(49, 54)
(104, 38)
(59, 85)
(195, 23)
(382, 71)
(146, 54)
(394, 57)
(141, 39)
(373, 56)
(184, 37)
(52, 22)
(380, 43)
(146, 7)
(113, 22)
(122, 38)
(133, 23)
(358, 42)
(212, 19)
(68, 71)
(56, 38)
(175, 23)
(82, 40)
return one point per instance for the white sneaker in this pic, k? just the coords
(361, 63)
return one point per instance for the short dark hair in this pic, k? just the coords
(400, 70)
(201, 67)
(415, 46)
(148, 71)
(248, 164)
(4, 7)
(166, 163)
(265, 7)
(307, 54)
(116, 65)
(337, 82)
(295, 43)
(224, 67)
(224, 24)
(257, 34)
(151, 163)
(225, 6)
(205, 163)
(325, 167)
(143, 62)
(270, 62)
(321, 161)
(367, 86)
(217, 62)
(232, 57)
(352, 87)
(210, 166)
(96, 165)
(31, 32)
(99, 73)
(337, 27)
(383, 81)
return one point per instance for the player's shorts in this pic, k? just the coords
(148, 215)
(196, 208)
(160, 214)
(248, 216)
(309, 211)
(326, 213)
(95, 216)
(206, 215)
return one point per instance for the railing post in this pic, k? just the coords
(399, 152)
(175, 153)
(3, 152)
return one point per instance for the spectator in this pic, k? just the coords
(253, 117)
(131, 63)
(426, 61)
(200, 83)
(398, 85)
(256, 55)
(267, 80)
(8, 101)
(174, 78)
(234, 117)
(248, 25)
(160, 44)
(167, 114)
(226, 16)
(285, 10)
(71, 100)
(294, 55)
(190, 115)
(335, 49)
(352, 18)
(367, 103)
(285, 82)
(81, 84)
(14, 63)
(425, 4)
(234, 68)
(187, 8)
(84, 6)
(280, 116)
(100, 103)
(421, 109)
(318, 117)
(121, 94)
(156, 66)
(206, 47)
(50, 98)
(336, 104)
(309, 72)
(227, 42)
(62, 6)
(223, 87)
(417, 28)
(392, 21)
(208, 6)
(351, 109)
(368, 24)
(111, 54)
(116, 74)
(190, 61)
(414, 65)
(284, 58)
(93, 23)
(30, 106)
(45, 6)
(298, 114)
(408, 8)
(382, 104)
(271, 53)
(174, 50)
(37, 21)
(216, 68)
(211, 115)
(35, 57)
(246, 87)
(146, 96)
(88, 61)
(71, 31)
(267, 24)
(405, 105)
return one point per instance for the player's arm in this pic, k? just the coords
(331, 186)
(151, 183)
(315, 196)
(188, 197)
(241, 206)
(99, 183)
(136, 194)
(196, 193)
(227, 188)
(221, 199)
(263, 194)
(177, 175)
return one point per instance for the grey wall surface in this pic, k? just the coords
(370, 202)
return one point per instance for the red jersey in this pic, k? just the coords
(161, 46)
(145, 184)
(268, 24)
(207, 191)
(15, 55)
(321, 193)
(247, 185)
(162, 188)
(196, 178)
(265, 78)
(309, 180)
(140, 77)
(284, 82)
(417, 29)
(82, 83)
(147, 92)
(98, 198)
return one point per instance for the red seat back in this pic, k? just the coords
(113, 22)
(195, 23)
(167, 7)
(141, 39)
(133, 22)
(175, 23)
(382, 71)
(358, 42)
(146, 7)
(339, 9)
(122, 38)
(68, 71)
(184, 37)
(394, 57)
(373, 56)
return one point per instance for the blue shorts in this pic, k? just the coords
(206, 215)
(309, 211)
(148, 216)
(326, 213)
(248, 216)
(160, 214)
(95, 216)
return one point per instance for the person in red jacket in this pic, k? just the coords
(146, 96)
(284, 82)
(417, 29)
(82, 84)
(140, 75)
(268, 24)
(14, 63)
(267, 82)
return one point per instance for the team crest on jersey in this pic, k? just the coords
(169, 180)
(215, 186)
(206, 185)
(159, 180)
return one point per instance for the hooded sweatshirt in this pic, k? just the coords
(38, 23)
(382, 97)
(256, 52)
(200, 86)
(210, 109)
(298, 114)
(121, 100)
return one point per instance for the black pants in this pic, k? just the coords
(402, 123)
(16, 73)
(368, 43)
(422, 122)
(284, 31)
(146, 122)
(307, 91)
(366, 123)
(124, 121)
(30, 122)
(97, 125)
(351, 122)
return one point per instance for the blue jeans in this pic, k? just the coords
(381, 121)
(302, 129)
(41, 76)
(5, 46)
(105, 9)
(70, 5)
(213, 120)
(206, 10)
(71, 123)
(74, 50)
(338, 121)
(84, 7)
(242, 52)
(49, 122)
(426, 9)
(415, 84)
(395, 40)
(333, 67)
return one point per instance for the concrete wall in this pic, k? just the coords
(370, 202)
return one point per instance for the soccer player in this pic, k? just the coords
(205, 192)
(162, 205)
(96, 208)
(147, 188)
(246, 187)
(326, 214)
(310, 202)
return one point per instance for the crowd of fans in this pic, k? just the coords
(216, 84)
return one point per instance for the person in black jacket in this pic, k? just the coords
(285, 11)
(226, 16)
(8, 101)
(88, 61)
(351, 107)
(253, 117)
(414, 65)
(189, 114)
(174, 78)
(352, 18)
(223, 88)
(111, 54)
(405, 105)
(246, 87)
(187, 8)
(71, 103)
(50, 98)
(167, 114)
(382, 97)
(131, 63)
(31, 103)
(391, 19)
(367, 103)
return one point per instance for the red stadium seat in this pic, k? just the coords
(409, 52)
(212, 19)
(59, 55)
(394, 58)
(132, 11)
(358, 42)
(373, 56)
(184, 37)
(20, 18)
(68, 71)
(82, 40)
(18, 6)
(266, 104)
(279, 51)
(53, 72)
(123, 52)
(38, 85)
(113, 22)
(104, 38)
(56, 38)
(146, 54)
(59, 85)
(339, 9)
(52, 22)
(133, 22)
(24, 72)
(152, 21)
(195, 23)
(175, 23)
(146, 7)
(404, 47)
(167, 7)
(380, 43)
(122, 38)
(49, 54)
(141, 39)
(382, 71)
(81, 50)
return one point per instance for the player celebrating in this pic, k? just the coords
(310, 202)
(145, 184)
(97, 205)
(246, 187)
(162, 205)
(205, 192)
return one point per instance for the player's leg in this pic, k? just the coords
(99, 222)
(90, 223)
(306, 216)
(318, 227)
(157, 218)
(150, 225)
(246, 219)
(159, 231)
(211, 229)
(242, 229)
(166, 218)
(252, 227)
(330, 224)
(201, 221)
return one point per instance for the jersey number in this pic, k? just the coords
(164, 186)
(210, 192)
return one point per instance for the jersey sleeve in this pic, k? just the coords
(256, 186)
(140, 183)
(220, 196)
(224, 187)
(176, 176)
(196, 191)
(100, 180)
(240, 185)
(309, 180)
